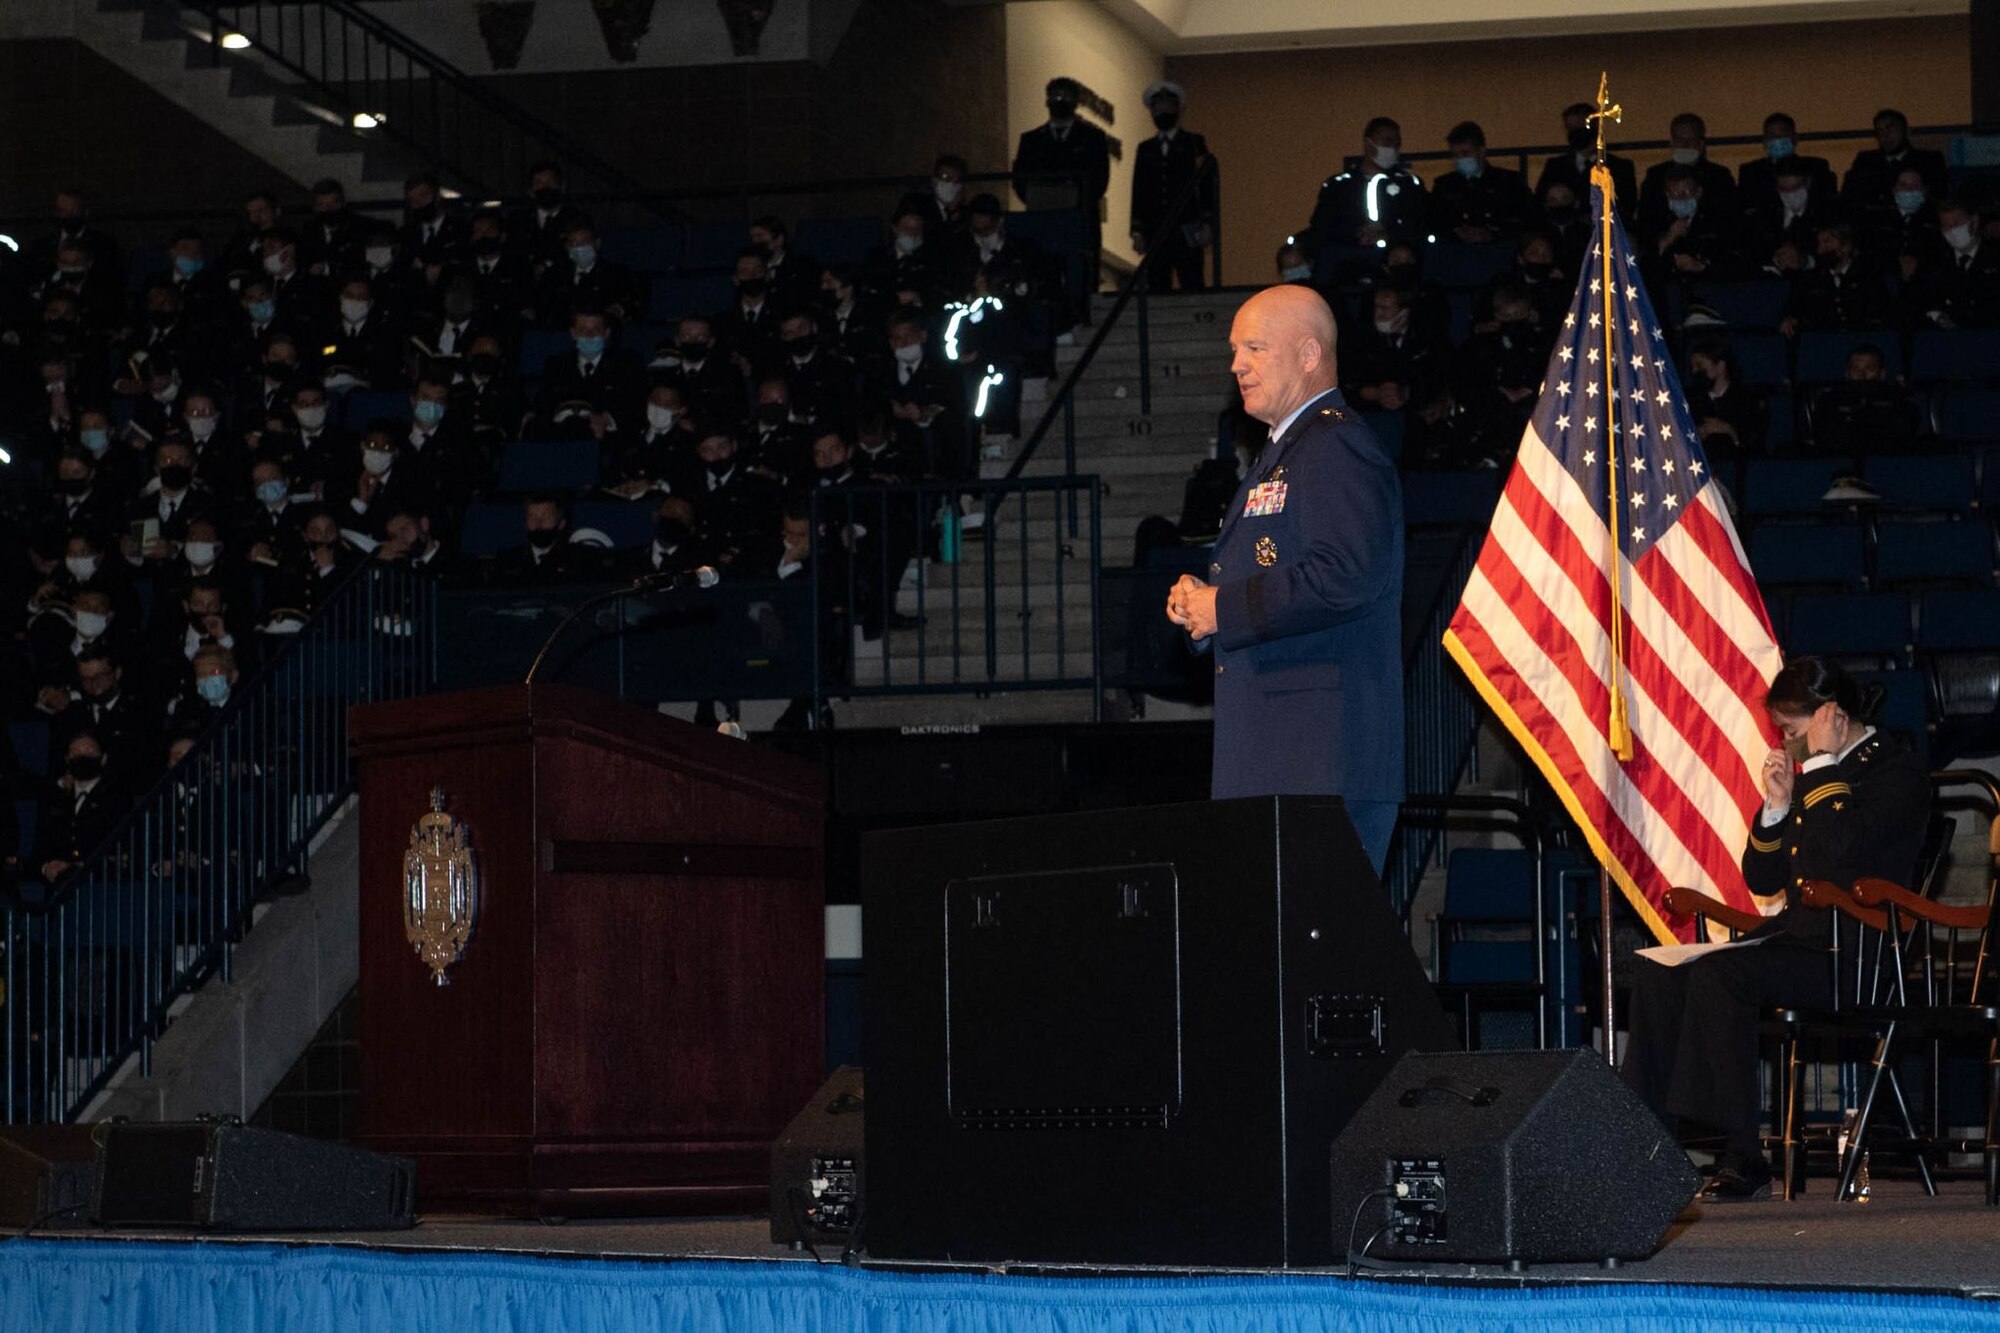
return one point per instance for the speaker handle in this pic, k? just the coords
(1472, 1093)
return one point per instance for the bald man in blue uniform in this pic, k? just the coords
(1302, 607)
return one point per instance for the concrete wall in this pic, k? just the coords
(1281, 121)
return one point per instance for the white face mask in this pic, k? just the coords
(659, 418)
(907, 244)
(354, 311)
(1687, 157)
(81, 567)
(947, 191)
(202, 554)
(1960, 238)
(909, 356)
(1793, 200)
(274, 264)
(311, 417)
(379, 256)
(201, 427)
(92, 624)
(1385, 156)
(377, 461)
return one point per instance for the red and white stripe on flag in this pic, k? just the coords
(1533, 630)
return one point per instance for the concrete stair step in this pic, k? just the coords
(969, 671)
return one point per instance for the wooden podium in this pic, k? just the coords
(639, 1010)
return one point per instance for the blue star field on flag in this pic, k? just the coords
(1660, 462)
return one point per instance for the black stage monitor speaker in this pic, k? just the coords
(817, 1167)
(48, 1176)
(226, 1177)
(1511, 1157)
(1128, 1036)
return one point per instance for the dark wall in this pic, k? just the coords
(911, 79)
(74, 118)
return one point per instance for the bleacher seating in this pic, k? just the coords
(1911, 552)
(1872, 626)
(548, 465)
(1822, 354)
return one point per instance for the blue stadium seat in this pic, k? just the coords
(628, 523)
(648, 249)
(1486, 887)
(1463, 499)
(1764, 358)
(1756, 304)
(1459, 264)
(1778, 606)
(1823, 354)
(1939, 482)
(1960, 620)
(1458, 318)
(30, 740)
(1388, 428)
(1905, 707)
(1969, 414)
(1918, 552)
(25, 814)
(550, 465)
(1783, 426)
(143, 264)
(848, 240)
(1850, 625)
(491, 528)
(681, 295)
(1786, 485)
(1829, 555)
(713, 245)
(1955, 356)
(538, 345)
(366, 405)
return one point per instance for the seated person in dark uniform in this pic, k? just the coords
(1692, 237)
(1477, 201)
(1757, 181)
(80, 809)
(302, 584)
(549, 556)
(1875, 169)
(1842, 802)
(1866, 413)
(1958, 285)
(1730, 416)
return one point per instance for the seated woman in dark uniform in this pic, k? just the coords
(1842, 802)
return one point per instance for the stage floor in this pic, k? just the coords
(1900, 1241)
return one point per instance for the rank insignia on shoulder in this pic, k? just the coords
(1333, 412)
(1267, 552)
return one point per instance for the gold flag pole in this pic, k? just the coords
(1620, 734)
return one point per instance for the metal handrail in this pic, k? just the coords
(157, 907)
(422, 64)
(1062, 401)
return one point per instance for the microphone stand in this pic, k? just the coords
(594, 600)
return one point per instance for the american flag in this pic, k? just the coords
(1533, 631)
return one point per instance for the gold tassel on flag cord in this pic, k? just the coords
(1620, 731)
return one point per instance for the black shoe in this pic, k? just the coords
(1748, 1183)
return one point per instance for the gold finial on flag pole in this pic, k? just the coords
(1619, 733)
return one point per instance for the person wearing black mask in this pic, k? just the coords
(302, 588)
(794, 278)
(747, 328)
(408, 543)
(1066, 163)
(776, 444)
(1571, 170)
(851, 323)
(119, 719)
(1729, 416)
(814, 374)
(708, 380)
(547, 556)
(674, 549)
(733, 505)
(78, 501)
(433, 235)
(99, 292)
(540, 229)
(330, 244)
(494, 401)
(503, 279)
(1162, 168)
(172, 503)
(81, 808)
